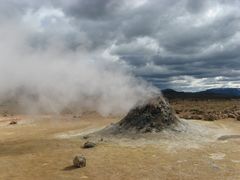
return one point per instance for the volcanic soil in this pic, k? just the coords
(43, 147)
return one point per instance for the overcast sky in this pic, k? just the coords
(182, 44)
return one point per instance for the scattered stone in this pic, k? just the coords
(196, 111)
(79, 161)
(13, 122)
(210, 117)
(185, 116)
(89, 144)
(196, 117)
(231, 116)
(148, 130)
(178, 111)
(86, 137)
(224, 116)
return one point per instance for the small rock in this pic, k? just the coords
(196, 117)
(238, 118)
(231, 116)
(85, 137)
(89, 144)
(178, 111)
(79, 161)
(13, 122)
(210, 117)
(148, 129)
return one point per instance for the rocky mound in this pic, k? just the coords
(152, 116)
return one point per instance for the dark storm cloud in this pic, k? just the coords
(194, 6)
(93, 9)
(172, 43)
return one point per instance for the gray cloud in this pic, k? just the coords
(92, 10)
(186, 44)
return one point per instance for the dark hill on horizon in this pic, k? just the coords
(216, 93)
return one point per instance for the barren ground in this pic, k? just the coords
(207, 109)
(42, 147)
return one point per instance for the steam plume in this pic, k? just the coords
(52, 78)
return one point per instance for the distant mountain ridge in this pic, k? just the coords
(216, 93)
(225, 91)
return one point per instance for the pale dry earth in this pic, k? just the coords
(42, 147)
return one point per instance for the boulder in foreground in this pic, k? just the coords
(79, 161)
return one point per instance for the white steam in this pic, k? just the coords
(53, 78)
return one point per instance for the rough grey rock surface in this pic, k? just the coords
(152, 116)
(89, 144)
(79, 161)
